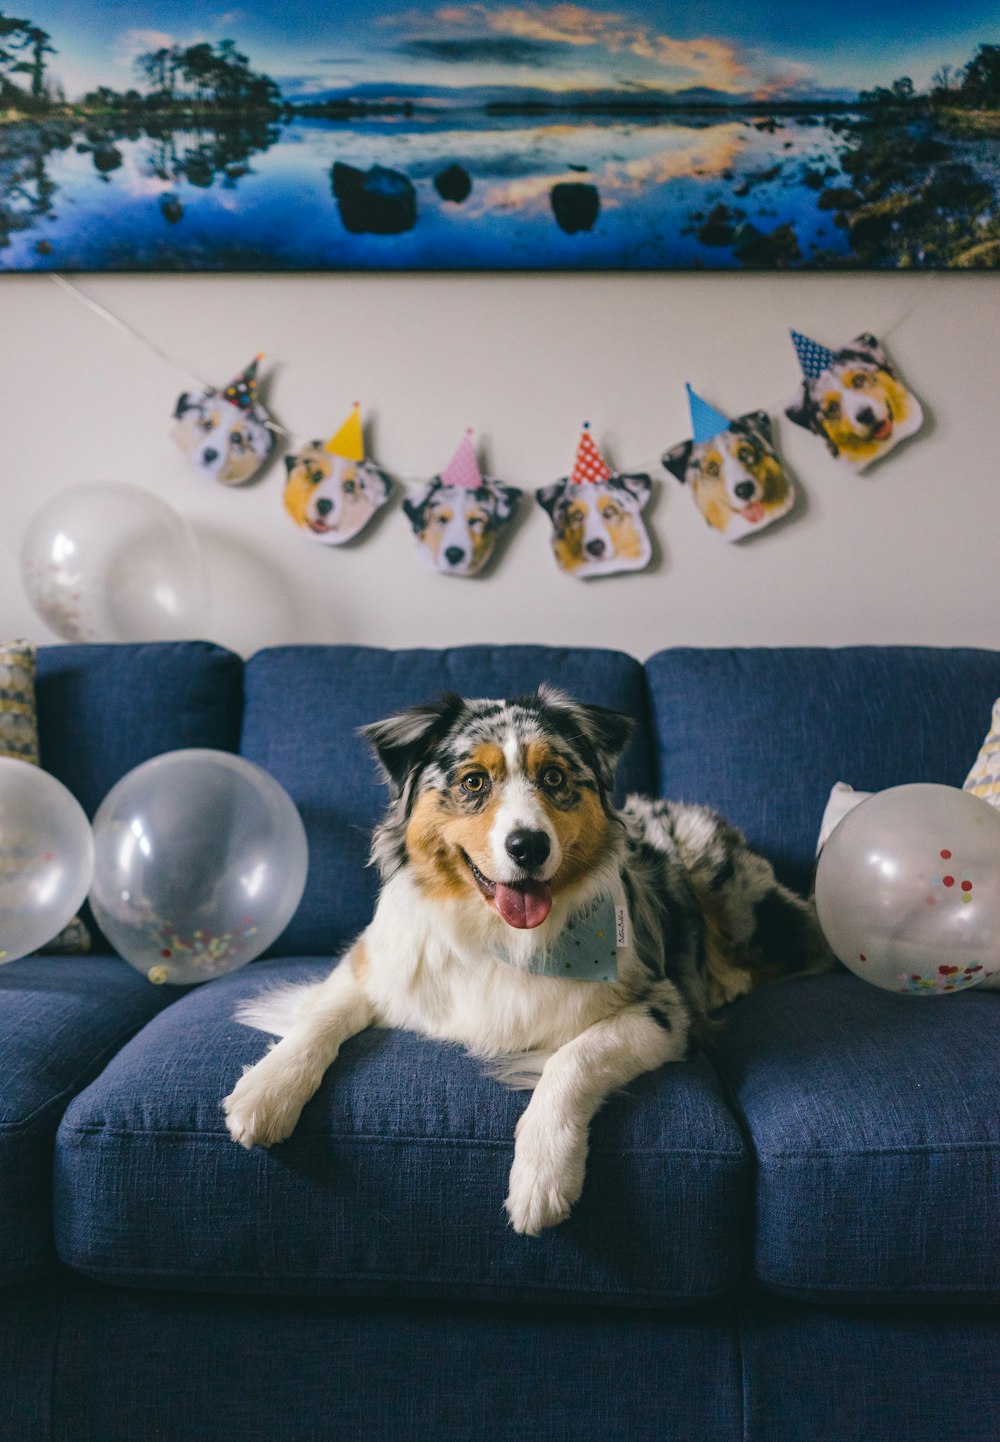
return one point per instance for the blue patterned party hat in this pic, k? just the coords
(813, 357)
(705, 419)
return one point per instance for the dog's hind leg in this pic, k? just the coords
(550, 1152)
(266, 1102)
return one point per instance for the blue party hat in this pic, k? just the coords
(813, 357)
(705, 419)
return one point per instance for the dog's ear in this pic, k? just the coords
(378, 482)
(506, 497)
(403, 741)
(550, 496)
(757, 423)
(290, 463)
(184, 403)
(415, 504)
(867, 346)
(602, 732)
(802, 411)
(637, 483)
(676, 460)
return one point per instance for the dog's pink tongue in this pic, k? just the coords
(523, 904)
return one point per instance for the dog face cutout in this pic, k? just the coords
(332, 499)
(597, 526)
(737, 481)
(222, 441)
(858, 404)
(457, 527)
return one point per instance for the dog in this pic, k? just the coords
(330, 497)
(858, 404)
(597, 528)
(224, 442)
(571, 944)
(737, 481)
(457, 526)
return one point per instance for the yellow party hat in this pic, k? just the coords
(348, 442)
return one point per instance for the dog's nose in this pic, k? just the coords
(454, 555)
(595, 547)
(324, 506)
(208, 455)
(744, 490)
(867, 416)
(528, 848)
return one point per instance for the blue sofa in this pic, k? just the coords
(794, 1236)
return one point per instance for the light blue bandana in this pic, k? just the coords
(587, 947)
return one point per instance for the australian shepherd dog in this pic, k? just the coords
(571, 944)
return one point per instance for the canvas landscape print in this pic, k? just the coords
(359, 135)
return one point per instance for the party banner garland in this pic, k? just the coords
(596, 515)
(331, 491)
(457, 517)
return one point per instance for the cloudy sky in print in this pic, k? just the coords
(757, 48)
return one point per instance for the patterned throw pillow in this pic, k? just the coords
(19, 738)
(984, 778)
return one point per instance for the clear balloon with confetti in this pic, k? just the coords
(200, 863)
(908, 890)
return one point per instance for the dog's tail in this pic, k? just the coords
(518, 1070)
(277, 1009)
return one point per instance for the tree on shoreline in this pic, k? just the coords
(20, 38)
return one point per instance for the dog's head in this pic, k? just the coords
(457, 526)
(736, 477)
(503, 805)
(857, 403)
(596, 526)
(221, 440)
(332, 498)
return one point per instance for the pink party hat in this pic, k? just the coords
(463, 468)
(589, 465)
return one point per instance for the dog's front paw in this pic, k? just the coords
(258, 1111)
(550, 1159)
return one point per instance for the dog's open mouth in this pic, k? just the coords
(523, 904)
(884, 431)
(754, 512)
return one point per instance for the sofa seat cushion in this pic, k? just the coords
(763, 734)
(875, 1120)
(393, 1183)
(304, 705)
(61, 1018)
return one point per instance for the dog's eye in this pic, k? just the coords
(832, 410)
(475, 783)
(859, 381)
(711, 468)
(207, 424)
(348, 488)
(746, 456)
(553, 777)
(316, 477)
(236, 437)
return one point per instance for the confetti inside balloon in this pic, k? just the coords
(200, 863)
(908, 890)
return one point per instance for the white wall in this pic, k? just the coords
(905, 554)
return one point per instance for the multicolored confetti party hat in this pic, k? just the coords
(463, 468)
(589, 465)
(242, 392)
(706, 420)
(813, 357)
(348, 442)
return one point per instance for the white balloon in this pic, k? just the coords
(200, 863)
(908, 889)
(112, 562)
(46, 857)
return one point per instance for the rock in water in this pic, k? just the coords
(374, 202)
(453, 183)
(576, 206)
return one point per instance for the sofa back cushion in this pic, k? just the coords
(763, 734)
(303, 708)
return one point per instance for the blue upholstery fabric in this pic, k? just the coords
(138, 1366)
(61, 1019)
(103, 710)
(763, 734)
(305, 703)
(393, 1183)
(874, 1122)
(881, 1375)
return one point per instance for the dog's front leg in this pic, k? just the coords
(266, 1102)
(550, 1152)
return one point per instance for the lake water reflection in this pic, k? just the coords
(688, 191)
